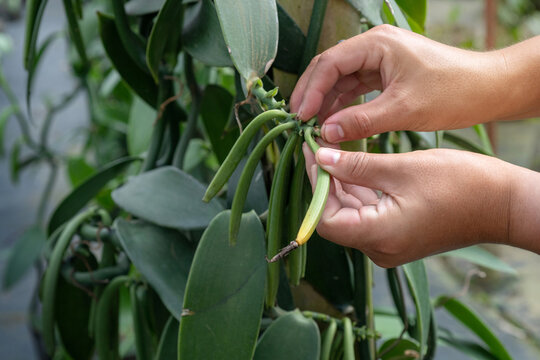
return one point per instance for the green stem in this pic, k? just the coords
(314, 33)
(21, 119)
(159, 127)
(360, 332)
(46, 194)
(191, 125)
(370, 318)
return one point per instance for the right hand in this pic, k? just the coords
(425, 85)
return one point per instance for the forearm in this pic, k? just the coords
(519, 81)
(524, 217)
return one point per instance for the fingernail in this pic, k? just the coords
(327, 156)
(332, 132)
(300, 112)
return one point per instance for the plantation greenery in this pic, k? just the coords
(134, 262)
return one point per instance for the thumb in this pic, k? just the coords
(376, 171)
(362, 121)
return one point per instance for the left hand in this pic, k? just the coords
(431, 201)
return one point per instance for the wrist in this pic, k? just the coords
(517, 80)
(524, 214)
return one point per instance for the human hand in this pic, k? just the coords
(432, 201)
(425, 85)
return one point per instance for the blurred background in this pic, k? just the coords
(508, 303)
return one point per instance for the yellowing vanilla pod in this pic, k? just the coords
(316, 207)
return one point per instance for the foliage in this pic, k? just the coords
(133, 243)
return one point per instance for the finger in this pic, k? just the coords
(376, 171)
(360, 53)
(365, 195)
(333, 104)
(362, 121)
(298, 92)
(346, 199)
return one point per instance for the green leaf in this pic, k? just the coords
(168, 197)
(257, 198)
(80, 196)
(371, 9)
(23, 255)
(141, 82)
(72, 308)
(224, 296)
(291, 43)
(467, 347)
(168, 343)
(463, 143)
(75, 31)
(482, 257)
(165, 36)
(415, 272)
(399, 349)
(143, 7)
(472, 321)
(251, 30)
(480, 130)
(79, 170)
(36, 58)
(14, 163)
(162, 255)
(333, 280)
(216, 109)
(140, 125)
(202, 37)
(196, 153)
(6, 113)
(292, 336)
(415, 9)
(397, 14)
(34, 14)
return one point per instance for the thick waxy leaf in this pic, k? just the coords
(202, 37)
(257, 198)
(162, 255)
(23, 255)
(140, 125)
(75, 31)
(370, 9)
(464, 143)
(415, 272)
(333, 280)
(470, 319)
(143, 7)
(224, 296)
(251, 30)
(394, 12)
(168, 197)
(405, 349)
(141, 82)
(81, 195)
(79, 170)
(479, 256)
(415, 9)
(165, 36)
(291, 43)
(168, 343)
(216, 109)
(467, 347)
(291, 336)
(34, 14)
